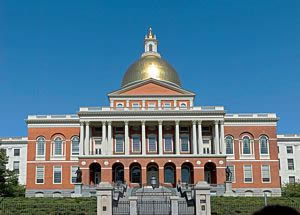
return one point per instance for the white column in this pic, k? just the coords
(217, 138)
(109, 140)
(194, 138)
(200, 140)
(90, 142)
(87, 138)
(126, 138)
(177, 147)
(104, 142)
(160, 138)
(223, 148)
(143, 137)
(81, 144)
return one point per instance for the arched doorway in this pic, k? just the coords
(170, 173)
(118, 173)
(135, 173)
(187, 173)
(210, 173)
(95, 173)
(152, 170)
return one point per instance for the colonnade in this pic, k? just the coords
(196, 142)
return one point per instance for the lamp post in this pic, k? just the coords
(153, 182)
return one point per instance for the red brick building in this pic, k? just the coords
(152, 128)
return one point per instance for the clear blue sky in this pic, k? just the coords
(56, 56)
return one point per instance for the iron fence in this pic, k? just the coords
(154, 207)
(184, 209)
(121, 208)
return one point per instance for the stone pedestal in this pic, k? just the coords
(174, 205)
(104, 198)
(202, 198)
(228, 189)
(133, 205)
(77, 190)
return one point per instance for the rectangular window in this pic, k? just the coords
(289, 149)
(290, 164)
(167, 105)
(292, 179)
(184, 141)
(58, 148)
(135, 105)
(231, 167)
(73, 174)
(248, 173)
(151, 105)
(136, 143)
(265, 172)
(16, 166)
(168, 143)
(16, 152)
(152, 144)
(119, 144)
(39, 174)
(57, 174)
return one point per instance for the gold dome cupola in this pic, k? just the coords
(150, 65)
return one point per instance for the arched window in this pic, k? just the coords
(150, 48)
(40, 151)
(58, 146)
(75, 146)
(229, 145)
(135, 174)
(246, 145)
(264, 145)
(169, 174)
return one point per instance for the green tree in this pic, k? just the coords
(291, 190)
(9, 185)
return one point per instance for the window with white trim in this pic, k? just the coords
(289, 149)
(119, 143)
(57, 175)
(152, 143)
(136, 105)
(40, 145)
(40, 172)
(246, 145)
(16, 167)
(292, 179)
(232, 169)
(248, 173)
(136, 143)
(184, 143)
(16, 152)
(265, 172)
(229, 145)
(168, 143)
(167, 104)
(264, 145)
(151, 105)
(75, 146)
(73, 174)
(290, 162)
(58, 146)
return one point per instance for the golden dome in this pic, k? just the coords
(150, 66)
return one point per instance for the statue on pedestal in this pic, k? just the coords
(79, 175)
(228, 174)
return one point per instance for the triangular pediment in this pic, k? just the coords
(152, 87)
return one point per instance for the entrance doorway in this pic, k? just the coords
(118, 173)
(95, 173)
(187, 173)
(210, 173)
(152, 170)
